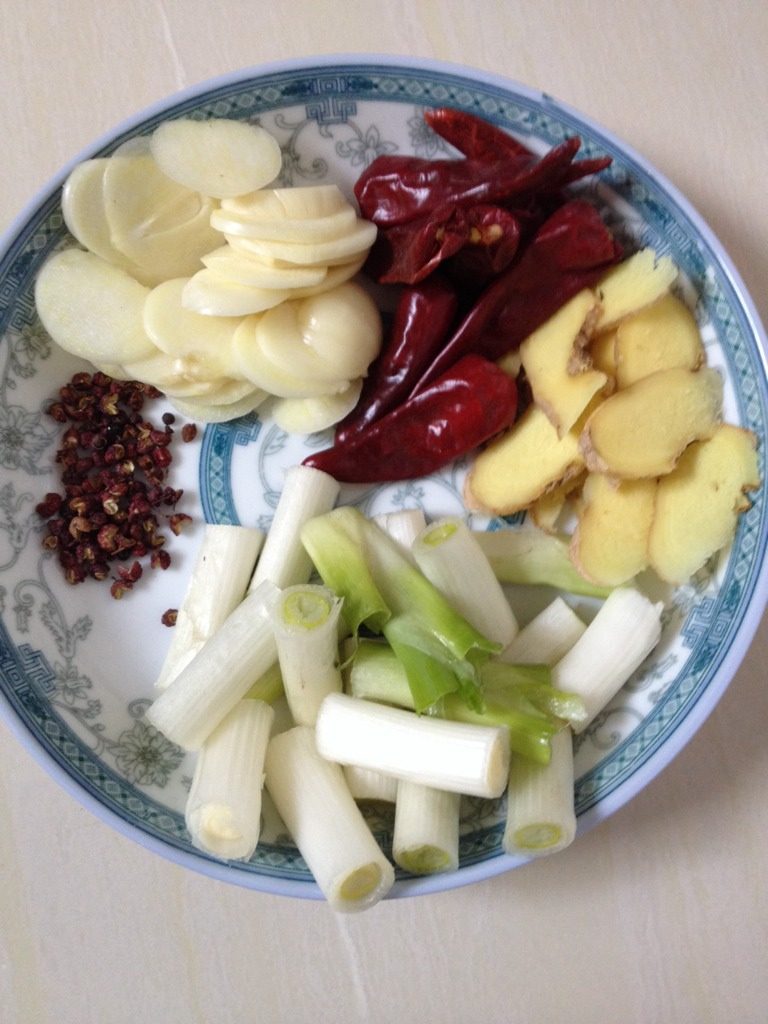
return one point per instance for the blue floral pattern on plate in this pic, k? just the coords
(88, 725)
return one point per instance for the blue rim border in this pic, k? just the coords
(460, 78)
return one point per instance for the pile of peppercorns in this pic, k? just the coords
(114, 465)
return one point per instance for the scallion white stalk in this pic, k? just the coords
(426, 834)
(449, 555)
(305, 619)
(403, 526)
(220, 674)
(540, 802)
(365, 784)
(283, 720)
(306, 493)
(312, 797)
(219, 580)
(223, 811)
(547, 637)
(620, 637)
(454, 756)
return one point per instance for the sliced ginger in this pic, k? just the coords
(521, 465)
(602, 349)
(557, 362)
(546, 510)
(659, 480)
(697, 505)
(642, 430)
(658, 337)
(629, 286)
(610, 543)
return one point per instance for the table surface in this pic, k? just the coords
(660, 913)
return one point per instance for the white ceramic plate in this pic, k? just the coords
(78, 668)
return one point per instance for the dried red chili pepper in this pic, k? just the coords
(424, 315)
(409, 253)
(494, 240)
(398, 189)
(479, 139)
(474, 137)
(581, 168)
(487, 235)
(571, 251)
(465, 407)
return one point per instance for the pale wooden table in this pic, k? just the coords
(658, 915)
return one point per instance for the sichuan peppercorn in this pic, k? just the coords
(114, 463)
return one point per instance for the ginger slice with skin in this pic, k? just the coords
(558, 365)
(658, 337)
(610, 543)
(642, 430)
(632, 284)
(517, 468)
(698, 505)
(546, 510)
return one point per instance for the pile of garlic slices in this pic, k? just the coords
(199, 279)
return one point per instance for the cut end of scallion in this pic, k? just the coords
(538, 837)
(306, 609)
(361, 884)
(425, 860)
(439, 533)
(541, 817)
(215, 830)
